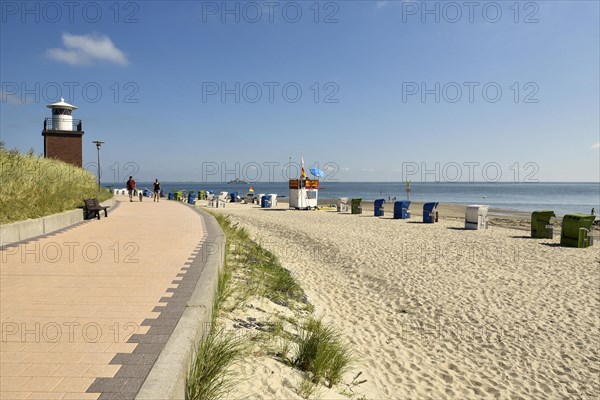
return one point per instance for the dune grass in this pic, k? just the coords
(264, 274)
(34, 187)
(322, 353)
(210, 375)
(312, 347)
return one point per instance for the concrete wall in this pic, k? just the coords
(24, 230)
(166, 380)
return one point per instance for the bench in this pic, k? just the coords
(91, 207)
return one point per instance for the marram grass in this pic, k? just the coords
(322, 352)
(318, 350)
(210, 375)
(33, 187)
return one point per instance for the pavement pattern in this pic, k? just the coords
(85, 312)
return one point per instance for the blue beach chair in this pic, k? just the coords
(265, 201)
(378, 210)
(430, 213)
(401, 209)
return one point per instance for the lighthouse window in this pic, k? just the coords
(61, 111)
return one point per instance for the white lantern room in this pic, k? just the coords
(62, 118)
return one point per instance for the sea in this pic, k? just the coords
(562, 198)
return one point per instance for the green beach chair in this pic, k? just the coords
(572, 235)
(355, 206)
(539, 220)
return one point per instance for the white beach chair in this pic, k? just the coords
(210, 200)
(476, 217)
(222, 199)
(342, 205)
(273, 199)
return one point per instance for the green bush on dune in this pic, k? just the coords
(32, 186)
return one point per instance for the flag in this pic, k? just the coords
(302, 173)
(251, 189)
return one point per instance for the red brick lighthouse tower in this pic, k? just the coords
(62, 134)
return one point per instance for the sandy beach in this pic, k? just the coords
(433, 311)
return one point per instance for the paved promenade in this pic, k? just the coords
(86, 312)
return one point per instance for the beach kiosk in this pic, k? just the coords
(304, 193)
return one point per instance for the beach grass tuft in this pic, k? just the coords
(210, 375)
(308, 390)
(322, 353)
(264, 273)
(298, 340)
(34, 186)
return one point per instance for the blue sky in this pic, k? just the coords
(386, 90)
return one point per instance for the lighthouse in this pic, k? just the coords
(62, 134)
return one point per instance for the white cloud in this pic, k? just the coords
(596, 145)
(85, 49)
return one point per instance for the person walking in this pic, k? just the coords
(156, 189)
(131, 188)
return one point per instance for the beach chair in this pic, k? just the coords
(265, 201)
(541, 225)
(222, 199)
(476, 217)
(249, 199)
(430, 213)
(210, 200)
(232, 197)
(342, 205)
(378, 210)
(273, 199)
(259, 198)
(355, 206)
(401, 210)
(577, 230)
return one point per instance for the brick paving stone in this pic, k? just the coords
(91, 307)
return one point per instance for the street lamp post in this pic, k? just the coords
(98, 144)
